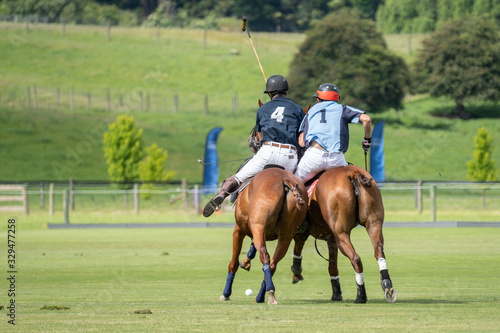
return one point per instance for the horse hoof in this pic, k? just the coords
(296, 278)
(390, 295)
(224, 298)
(336, 298)
(272, 298)
(246, 264)
(361, 294)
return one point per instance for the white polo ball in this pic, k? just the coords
(249, 292)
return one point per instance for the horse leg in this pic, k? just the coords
(247, 262)
(284, 241)
(346, 247)
(265, 259)
(300, 240)
(233, 264)
(333, 269)
(377, 238)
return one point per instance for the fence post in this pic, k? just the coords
(235, 103)
(409, 44)
(196, 199)
(66, 206)
(72, 194)
(418, 197)
(71, 99)
(205, 107)
(109, 31)
(35, 104)
(42, 195)
(51, 199)
(26, 200)
(433, 203)
(185, 192)
(205, 39)
(136, 198)
(63, 26)
(108, 100)
(176, 103)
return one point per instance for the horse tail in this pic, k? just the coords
(359, 181)
(369, 200)
(293, 188)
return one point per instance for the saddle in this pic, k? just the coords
(234, 195)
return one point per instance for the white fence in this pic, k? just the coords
(409, 201)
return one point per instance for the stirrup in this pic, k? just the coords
(214, 205)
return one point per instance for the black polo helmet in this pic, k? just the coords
(327, 92)
(276, 83)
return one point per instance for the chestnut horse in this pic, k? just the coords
(271, 207)
(343, 198)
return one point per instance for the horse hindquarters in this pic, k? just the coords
(371, 216)
(272, 206)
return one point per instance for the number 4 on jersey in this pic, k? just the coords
(278, 114)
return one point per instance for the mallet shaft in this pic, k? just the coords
(243, 28)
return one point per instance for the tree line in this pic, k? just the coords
(392, 16)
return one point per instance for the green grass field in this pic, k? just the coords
(446, 279)
(54, 143)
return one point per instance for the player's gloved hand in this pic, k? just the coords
(366, 143)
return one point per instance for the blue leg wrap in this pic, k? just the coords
(251, 253)
(267, 276)
(229, 285)
(262, 293)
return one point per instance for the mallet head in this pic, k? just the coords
(244, 24)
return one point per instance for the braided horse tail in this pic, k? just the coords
(367, 193)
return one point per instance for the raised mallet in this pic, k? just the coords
(244, 28)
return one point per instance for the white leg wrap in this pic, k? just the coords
(381, 263)
(360, 278)
(334, 277)
(297, 257)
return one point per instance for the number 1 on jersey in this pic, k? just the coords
(278, 114)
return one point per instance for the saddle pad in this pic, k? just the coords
(234, 196)
(311, 188)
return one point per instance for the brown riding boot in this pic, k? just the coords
(213, 205)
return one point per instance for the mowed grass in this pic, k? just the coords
(446, 280)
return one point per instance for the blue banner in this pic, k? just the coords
(211, 162)
(377, 158)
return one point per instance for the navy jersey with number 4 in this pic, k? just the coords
(279, 121)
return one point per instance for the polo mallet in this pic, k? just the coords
(244, 28)
(366, 164)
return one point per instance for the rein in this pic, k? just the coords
(316, 246)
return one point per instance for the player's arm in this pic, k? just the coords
(367, 124)
(301, 139)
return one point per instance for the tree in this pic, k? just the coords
(152, 168)
(482, 167)
(461, 61)
(350, 53)
(123, 149)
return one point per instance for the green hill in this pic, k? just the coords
(56, 142)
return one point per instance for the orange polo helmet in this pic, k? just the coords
(327, 92)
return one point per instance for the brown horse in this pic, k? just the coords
(272, 206)
(342, 199)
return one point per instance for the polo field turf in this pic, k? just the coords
(156, 280)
